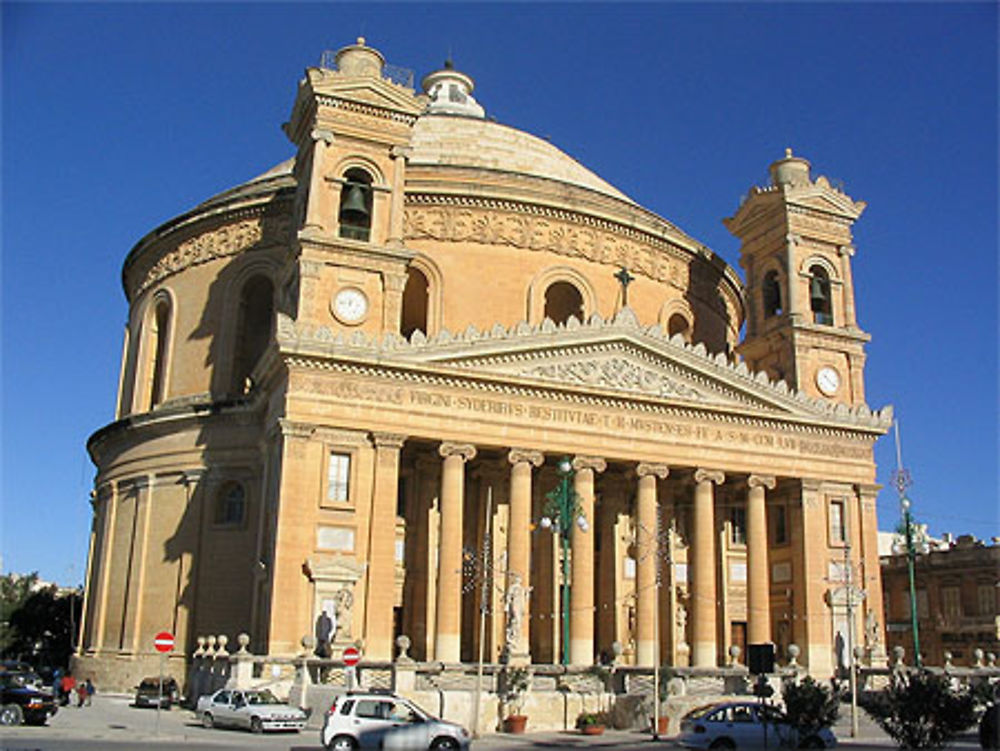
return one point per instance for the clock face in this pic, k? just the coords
(828, 381)
(350, 305)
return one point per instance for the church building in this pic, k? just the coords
(431, 359)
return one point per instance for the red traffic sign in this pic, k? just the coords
(164, 641)
(352, 656)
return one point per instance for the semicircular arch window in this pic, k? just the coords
(253, 332)
(355, 212)
(562, 300)
(415, 303)
(819, 296)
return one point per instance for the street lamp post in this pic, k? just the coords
(902, 481)
(559, 514)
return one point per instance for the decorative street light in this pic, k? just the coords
(902, 481)
(560, 513)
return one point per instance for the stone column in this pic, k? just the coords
(315, 201)
(448, 632)
(758, 587)
(647, 554)
(399, 156)
(702, 563)
(519, 554)
(381, 573)
(846, 252)
(581, 608)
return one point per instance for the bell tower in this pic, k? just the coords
(796, 253)
(351, 124)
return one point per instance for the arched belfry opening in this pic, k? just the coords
(253, 332)
(415, 303)
(562, 300)
(772, 295)
(678, 324)
(819, 296)
(355, 214)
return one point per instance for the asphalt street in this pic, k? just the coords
(112, 724)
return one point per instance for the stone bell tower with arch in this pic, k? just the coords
(796, 252)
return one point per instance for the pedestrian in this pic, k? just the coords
(67, 685)
(90, 691)
(56, 683)
(81, 694)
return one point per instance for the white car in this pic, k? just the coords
(255, 709)
(742, 724)
(358, 720)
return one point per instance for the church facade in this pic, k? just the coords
(431, 360)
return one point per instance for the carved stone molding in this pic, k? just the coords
(224, 241)
(388, 440)
(595, 463)
(465, 450)
(401, 151)
(535, 458)
(762, 481)
(341, 436)
(615, 373)
(321, 134)
(649, 468)
(709, 475)
(292, 429)
(532, 228)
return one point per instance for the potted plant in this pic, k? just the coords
(514, 683)
(591, 723)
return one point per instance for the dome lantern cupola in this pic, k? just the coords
(450, 93)
(360, 60)
(791, 171)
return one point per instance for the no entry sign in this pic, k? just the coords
(164, 641)
(352, 656)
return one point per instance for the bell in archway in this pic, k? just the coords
(354, 209)
(817, 292)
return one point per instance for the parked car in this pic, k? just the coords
(149, 693)
(741, 724)
(358, 720)
(21, 700)
(255, 709)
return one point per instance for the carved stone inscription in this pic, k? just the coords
(544, 415)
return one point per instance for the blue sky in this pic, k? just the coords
(117, 117)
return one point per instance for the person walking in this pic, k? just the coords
(67, 685)
(90, 691)
(81, 694)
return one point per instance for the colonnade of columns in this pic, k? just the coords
(702, 558)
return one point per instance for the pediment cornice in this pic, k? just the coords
(618, 357)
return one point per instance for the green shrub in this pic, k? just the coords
(810, 706)
(921, 711)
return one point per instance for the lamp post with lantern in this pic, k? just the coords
(561, 511)
(901, 480)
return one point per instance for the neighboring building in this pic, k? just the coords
(332, 371)
(958, 599)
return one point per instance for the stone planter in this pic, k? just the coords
(592, 729)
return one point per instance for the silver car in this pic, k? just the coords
(359, 720)
(255, 709)
(746, 725)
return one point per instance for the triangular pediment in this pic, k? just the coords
(820, 196)
(596, 359)
(375, 92)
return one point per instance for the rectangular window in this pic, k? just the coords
(738, 525)
(951, 602)
(780, 525)
(986, 597)
(338, 477)
(838, 533)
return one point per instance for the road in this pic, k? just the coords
(111, 724)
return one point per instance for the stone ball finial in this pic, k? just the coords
(210, 643)
(403, 644)
(991, 660)
(734, 653)
(201, 646)
(977, 655)
(361, 41)
(243, 639)
(947, 659)
(223, 640)
(308, 642)
(898, 653)
(793, 654)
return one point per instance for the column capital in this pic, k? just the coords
(465, 450)
(762, 481)
(709, 475)
(846, 250)
(649, 468)
(322, 135)
(595, 463)
(518, 456)
(394, 282)
(193, 476)
(388, 440)
(293, 429)
(401, 151)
